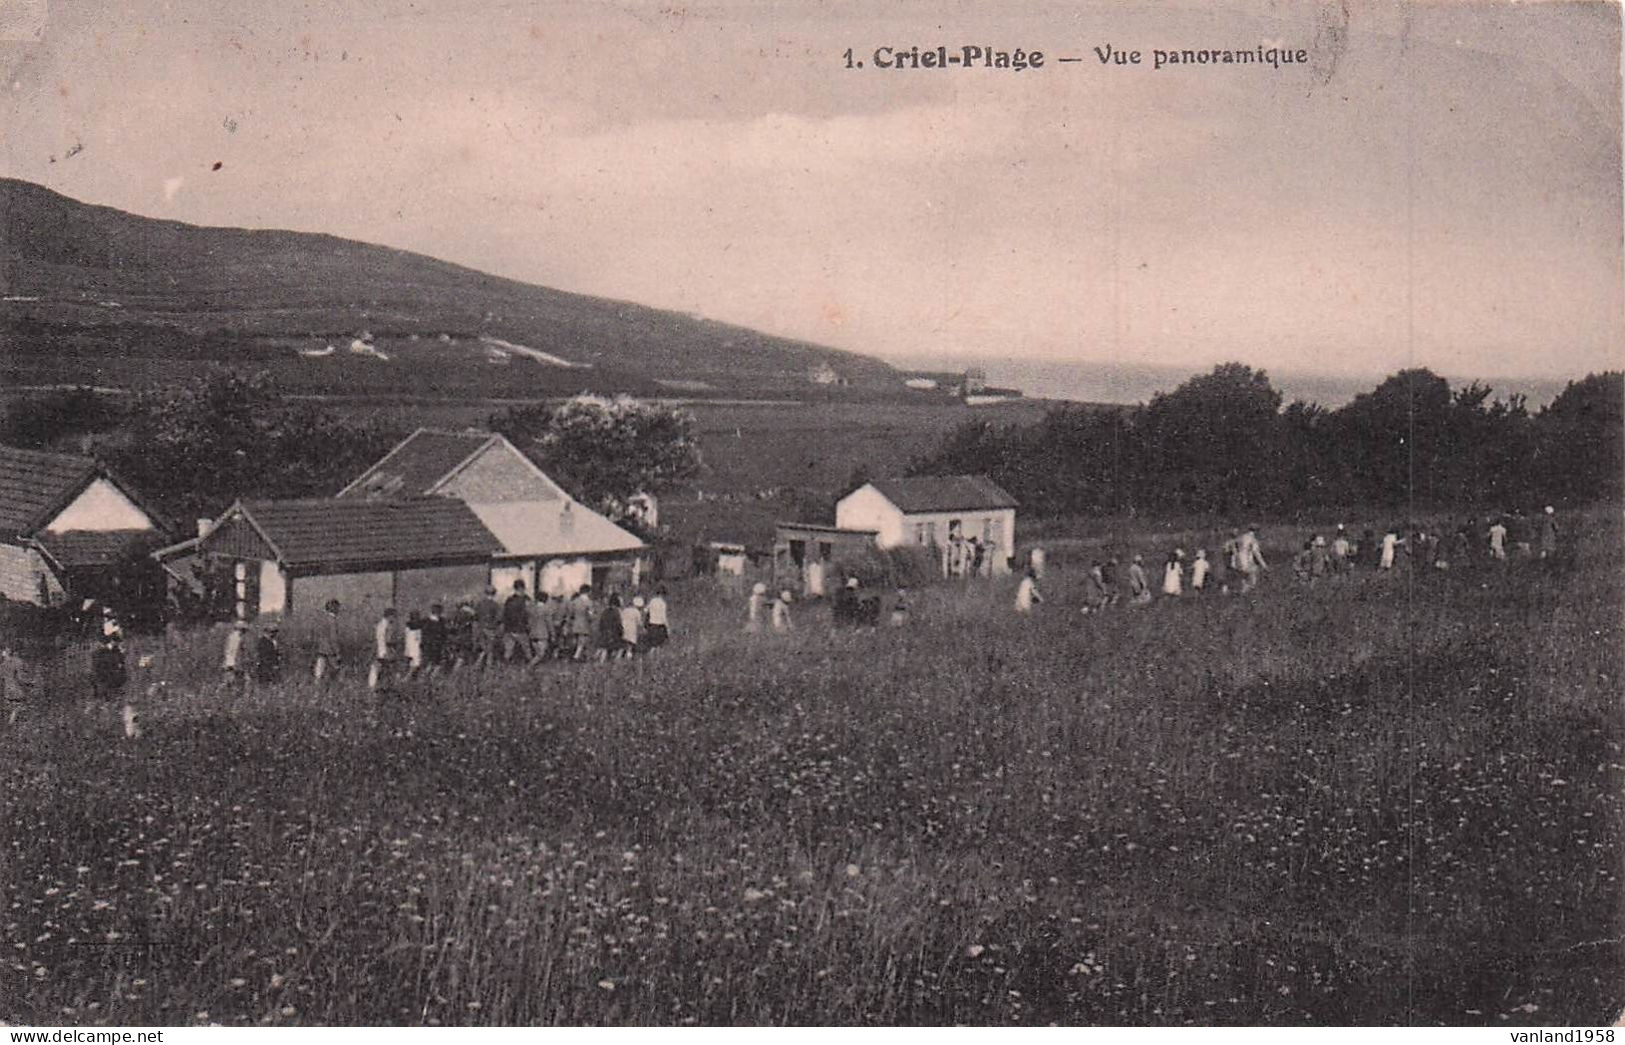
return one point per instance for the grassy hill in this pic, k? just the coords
(98, 296)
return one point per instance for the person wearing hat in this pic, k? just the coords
(488, 627)
(632, 625)
(845, 609)
(1250, 559)
(461, 646)
(781, 612)
(756, 607)
(1546, 533)
(268, 656)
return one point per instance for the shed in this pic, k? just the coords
(63, 519)
(291, 557)
(806, 554)
(958, 515)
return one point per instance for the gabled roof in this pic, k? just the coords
(542, 529)
(944, 493)
(418, 464)
(429, 458)
(359, 534)
(35, 486)
(79, 549)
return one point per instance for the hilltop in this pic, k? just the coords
(99, 296)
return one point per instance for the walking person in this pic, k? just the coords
(268, 656)
(541, 628)
(488, 629)
(632, 627)
(610, 636)
(1340, 550)
(756, 608)
(1199, 572)
(658, 619)
(1027, 594)
(1546, 533)
(232, 669)
(1139, 588)
(1498, 540)
(436, 640)
(781, 612)
(389, 642)
(1250, 559)
(412, 645)
(1173, 574)
(1390, 544)
(108, 671)
(1095, 596)
(1320, 559)
(14, 687)
(581, 619)
(516, 626)
(327, 644)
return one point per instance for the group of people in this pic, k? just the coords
(1242, 562)
(478, 634)
(517, 630)
(851, 607)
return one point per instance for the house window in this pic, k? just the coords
(826, 550)
(798, 552)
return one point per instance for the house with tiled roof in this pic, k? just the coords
(294, 555)
(549, 540)
(63, 517)
(437, 519)
(968, 519)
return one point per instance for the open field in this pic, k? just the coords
(1383, 799)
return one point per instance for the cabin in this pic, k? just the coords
(547, 538)
(807, 557)
(63, 520)
(950, 514)
(290, 557)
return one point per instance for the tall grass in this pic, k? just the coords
(1381, 799)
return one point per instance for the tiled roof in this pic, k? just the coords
(414, 467)
(356, 534)
(76, 549)
(35, 485)
(944, 493)
(541, 529)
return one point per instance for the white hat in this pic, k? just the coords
(1548, 509)
(851, 582)
(784, 596)
(637, 600)
(759, 588)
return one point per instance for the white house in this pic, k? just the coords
(935, 512)
(61, 515)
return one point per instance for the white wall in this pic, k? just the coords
(273, 588)
(867, 509)
(100, 507)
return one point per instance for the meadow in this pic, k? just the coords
(1383, 799)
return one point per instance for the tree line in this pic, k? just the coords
(1222, 442)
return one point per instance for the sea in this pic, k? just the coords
(1097, 382)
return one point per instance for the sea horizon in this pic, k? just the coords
(1092, 381)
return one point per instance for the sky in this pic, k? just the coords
(1438, 185)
